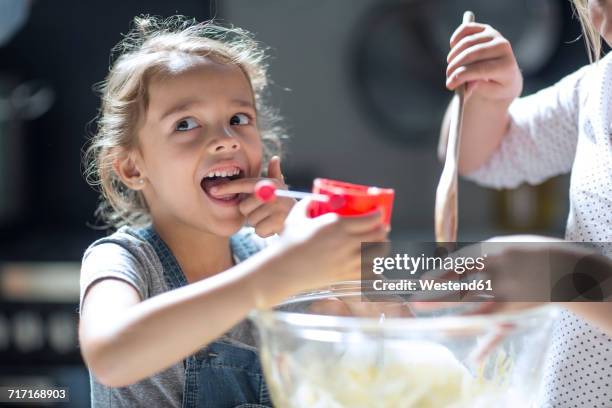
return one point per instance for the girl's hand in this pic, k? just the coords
(267, 218)
(482, 58)
(326, 249)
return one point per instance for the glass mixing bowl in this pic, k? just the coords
(329, 349)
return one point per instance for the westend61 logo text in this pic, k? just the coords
(412, 264)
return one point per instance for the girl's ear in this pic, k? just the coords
(127, 168)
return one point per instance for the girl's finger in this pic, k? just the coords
(249, 204)
(466, 29)
(269, 226)
(378, 234)
(485, 71)
(467, 42)
(254, 209)
(493, 49)
(258, 214)
(274, 169)
(244, 185)
(358, 224)
(353, 243)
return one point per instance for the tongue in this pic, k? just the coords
(209, 183)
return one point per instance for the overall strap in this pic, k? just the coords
(175, 278)
(173, 274)
(243, 245)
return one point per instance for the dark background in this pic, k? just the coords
(67, 45)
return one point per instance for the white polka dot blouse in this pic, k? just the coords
(568, 128)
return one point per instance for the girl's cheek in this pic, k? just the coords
(600, 12)
(601, 17)
(607, 11)
(595, 19)
(253, 140)
(256, 155)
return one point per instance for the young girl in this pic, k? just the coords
(567, 127)
(181, 139)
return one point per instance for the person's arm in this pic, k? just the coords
(481, 58)
(480, 138)
(124, 339)
(506, 140)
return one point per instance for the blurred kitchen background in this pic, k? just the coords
(360, 83)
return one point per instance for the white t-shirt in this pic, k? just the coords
(568, 127)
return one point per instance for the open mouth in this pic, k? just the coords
(219, 177)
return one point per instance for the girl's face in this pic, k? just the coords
(600, 12)
(199, 130)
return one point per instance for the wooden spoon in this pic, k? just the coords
(446, 201)
(446, 194)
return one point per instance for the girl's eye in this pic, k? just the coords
(240, 119)
(186, 124)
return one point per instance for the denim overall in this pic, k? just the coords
(226, 373)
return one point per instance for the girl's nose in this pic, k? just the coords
(226, 142)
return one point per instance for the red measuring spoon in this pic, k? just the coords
(266, 191)
(357, 199)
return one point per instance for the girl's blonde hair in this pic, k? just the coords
(152, 47)
(591, 35)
